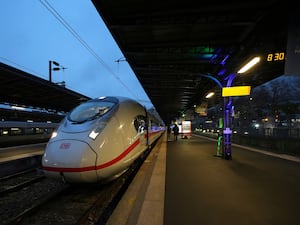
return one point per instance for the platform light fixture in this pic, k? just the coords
(249, 65)
(210, 94)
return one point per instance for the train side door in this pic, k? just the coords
(140, 124)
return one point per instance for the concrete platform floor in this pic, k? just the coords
(183, 183)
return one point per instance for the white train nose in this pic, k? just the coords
(70, 160)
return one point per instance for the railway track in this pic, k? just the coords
(52, 202)
(20, 180)
(18, 203)
(46, 201)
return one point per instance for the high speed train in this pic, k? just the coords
(99, 140)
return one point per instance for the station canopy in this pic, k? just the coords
(179, 49)
(22, 89)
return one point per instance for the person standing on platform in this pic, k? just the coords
(168, 132)
(175, 131)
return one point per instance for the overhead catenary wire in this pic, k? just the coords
(67, 26)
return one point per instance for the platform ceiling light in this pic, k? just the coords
(210, 94)
(249, 65)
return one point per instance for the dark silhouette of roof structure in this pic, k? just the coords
(23, 89)
(178, 48)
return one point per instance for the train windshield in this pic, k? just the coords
(89, 111)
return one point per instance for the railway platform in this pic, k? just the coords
(19, 152)
(188, 184)
(19, 158)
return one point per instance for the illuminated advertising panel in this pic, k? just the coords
(186, 127)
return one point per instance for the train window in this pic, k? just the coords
(4, 132)
(29, 130)
(154, 125)
(139, 123)
(15, 130)
(89, 111)
(39, 130)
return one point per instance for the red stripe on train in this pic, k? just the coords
(90, 168)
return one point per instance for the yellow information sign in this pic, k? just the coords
(236, 91)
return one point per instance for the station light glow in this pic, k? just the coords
(249, 65)
(209, 95)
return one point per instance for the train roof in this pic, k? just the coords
(117, 98)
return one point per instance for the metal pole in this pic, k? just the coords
(227, 131)
(50, 71)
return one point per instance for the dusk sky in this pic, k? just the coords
(73, 34)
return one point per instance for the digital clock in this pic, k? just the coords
(277, 56)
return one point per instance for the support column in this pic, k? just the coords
(227, 131)
(50, 71)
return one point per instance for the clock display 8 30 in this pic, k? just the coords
(277, 56)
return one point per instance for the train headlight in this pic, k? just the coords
(93, 134)
(54, 134)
